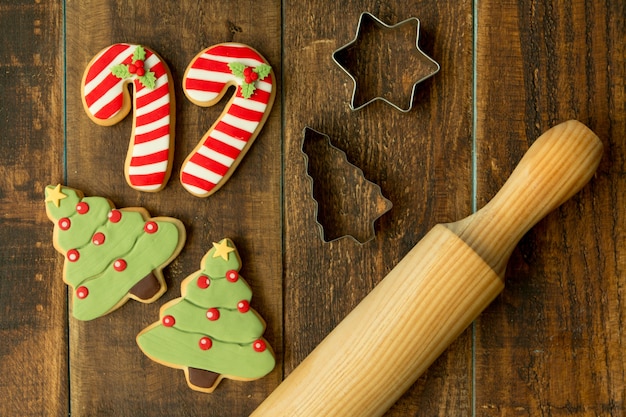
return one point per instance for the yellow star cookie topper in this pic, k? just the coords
(55, 195)
(222, 249)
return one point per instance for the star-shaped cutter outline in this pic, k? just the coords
(384, 26)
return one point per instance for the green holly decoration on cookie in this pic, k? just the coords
(249, 76)
(211, 332)
(136, 69)
(111, 254)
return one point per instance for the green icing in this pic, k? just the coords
(232, 325)
(85, 224)
(221, 292)
(67, 205)
(168, 344)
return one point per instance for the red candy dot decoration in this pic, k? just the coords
(203, 282)
(213, 314)
(82, 208)
(205, 343)
(232, 275)
(243, 306)
(82, 292)
(259, 345)
(73, 255)
(115, 216)
(168, 321)
(150, 227)
(64, 223)
(98, 239)
(120, 265)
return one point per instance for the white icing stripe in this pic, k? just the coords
(156, 104)
(227, 139)
(206, 75)
(264, 86)
(109, 96)
(147, 187)
(140, 130)
(216, 156)
(250, 104)
(148, 169)
(153, 146)
(201, 96)
(242, 124)
(106, 71)
(250, 62)
(193, 189)
(151, 61)
(201, 172)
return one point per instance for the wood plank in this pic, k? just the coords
(33, 352)
(553, 343)
(421, 160)
(109, 374)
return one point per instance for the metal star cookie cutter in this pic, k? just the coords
(373, 43)
(346, 203)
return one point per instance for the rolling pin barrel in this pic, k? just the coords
(378, 351)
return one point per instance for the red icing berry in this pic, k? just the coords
(213, 314)
(73, 255)
(64, 223)
(232, 275)
(120, 265)
(243, 306)
(168, 321)
(82, 207)
(203, 282)
(98, 238)
(205, 343)
(141, 72)
(115, 216)
(139, 63)
(247, 71)
(259, 345)
(254, 76)
(82, 292)
(150, 227)
(132, 68)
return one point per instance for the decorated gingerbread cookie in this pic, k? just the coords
(106, 100)
(206, 80)
(211, 332)
(111, 254)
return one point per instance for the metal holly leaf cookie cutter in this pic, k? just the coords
(346, 203)
(384, 63)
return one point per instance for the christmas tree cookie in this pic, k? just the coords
(211, 332)
(111, 254)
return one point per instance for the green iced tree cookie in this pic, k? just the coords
(211, 332)
(111, 255)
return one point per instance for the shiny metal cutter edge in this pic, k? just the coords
(311, 181)
(385, 26)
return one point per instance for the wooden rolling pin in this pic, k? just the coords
(378, 351)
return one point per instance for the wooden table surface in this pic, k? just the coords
(553, 344)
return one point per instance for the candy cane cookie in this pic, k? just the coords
(206, 80)
(106, 100)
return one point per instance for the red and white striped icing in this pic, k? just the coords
(206, 80)
(150, 151)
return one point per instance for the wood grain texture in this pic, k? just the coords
(104, 356)
(421, 160)
(33, 323)
(554, 344)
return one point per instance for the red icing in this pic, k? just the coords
(168, 321)
(213, 314)
(82, 292)
(120, 265)
(141, 72)
(73, 255)
(115, 216)
(139, 63)
(98, 238)
(150, 227)
(203, 282)
(82, 207)
(132, 68)
(205, 343)
(259, 345)
(64, 223)
(232, 275)
(243, 306)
